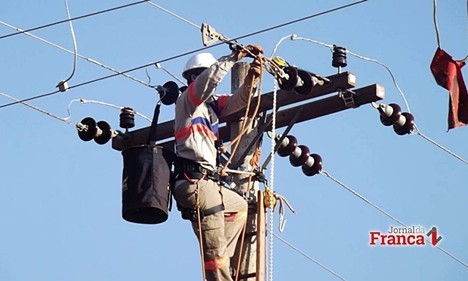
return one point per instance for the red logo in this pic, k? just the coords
(404, 236)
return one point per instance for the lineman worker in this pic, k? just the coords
(222, 211)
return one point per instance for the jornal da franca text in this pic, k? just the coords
(405, 236)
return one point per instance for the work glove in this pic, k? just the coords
(247, 51)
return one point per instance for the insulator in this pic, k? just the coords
(104, 133)
(308, 82)
(287, 146)
(299, 156)
(405, 124)
(313, 165)
(292, 79)
(168, 93)
(389, 114)
(127, 118)
(87, 129)
(339, 57)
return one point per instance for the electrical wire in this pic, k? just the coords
(294, 37)
(183, 54)
(387, 214)
(75, 46)
(83, 101)
(419, 133)
(436, 26)
(174, 14)
(307, 256)
(73, 19)
(63, 119)
(88, 59)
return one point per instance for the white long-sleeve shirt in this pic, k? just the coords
(198, 110)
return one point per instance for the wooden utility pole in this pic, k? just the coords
(250, 267)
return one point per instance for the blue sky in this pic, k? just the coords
(60, 198)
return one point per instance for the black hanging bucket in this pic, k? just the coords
(146, 184)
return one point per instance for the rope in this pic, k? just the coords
(72, 19)
(245, 125)
(307, 256)
(271, 181)
(323, 172)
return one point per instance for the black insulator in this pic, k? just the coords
(307, 83)
(299, 155)
(313, 165)
(127, 118)
(408, 125)
(88, 129)
(389, 117)
(183, 88)
(287, 146)
(169, 92)
(292, 79)
(339, 57)
(104, 133)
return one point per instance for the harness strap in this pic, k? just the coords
(191, 214)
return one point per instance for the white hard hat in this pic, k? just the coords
(202, 60)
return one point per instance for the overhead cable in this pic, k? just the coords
(88, 59)
(63, 86)
(180, 55)
(308, 256)
(387, 214)
(72, 19)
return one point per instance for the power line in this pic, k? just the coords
(308, 257)
(88, 59)
(75, 18)
(180, 55)
(323, 172)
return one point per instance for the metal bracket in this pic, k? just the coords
(209, 35)
(348, 97)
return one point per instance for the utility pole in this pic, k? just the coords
(252, 253)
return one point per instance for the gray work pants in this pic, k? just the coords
(220, 231)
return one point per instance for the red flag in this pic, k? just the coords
(447, 74)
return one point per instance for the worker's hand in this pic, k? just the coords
(256, 68)
(249, 51)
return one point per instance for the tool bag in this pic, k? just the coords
(146, 180)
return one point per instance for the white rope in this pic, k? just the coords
(271, 181)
